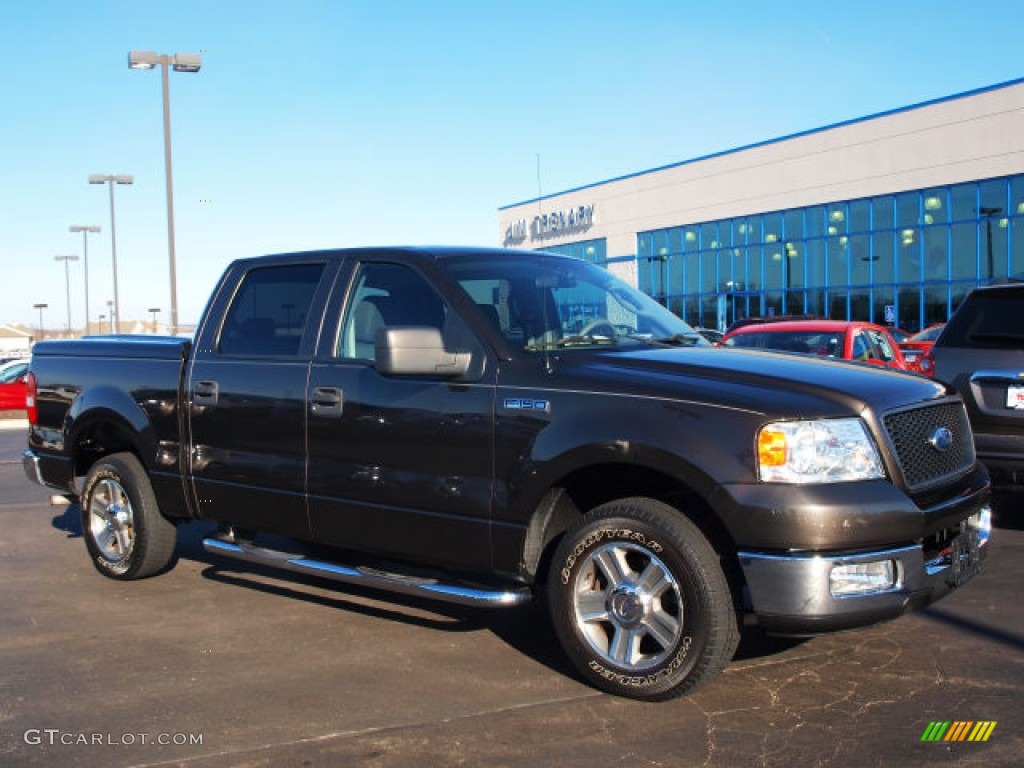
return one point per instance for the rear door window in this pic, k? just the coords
(270, 311)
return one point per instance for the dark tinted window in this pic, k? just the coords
(269, 313)
(988, 319)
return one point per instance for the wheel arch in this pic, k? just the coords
(104, 421)
(586, 488)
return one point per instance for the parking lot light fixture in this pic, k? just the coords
(85, 230)
(180, 62)
(111, 180)
(40, 307)
(67, 284)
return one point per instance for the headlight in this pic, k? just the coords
(826, 451)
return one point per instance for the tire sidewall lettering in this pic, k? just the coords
(644, 681)
(606, 534)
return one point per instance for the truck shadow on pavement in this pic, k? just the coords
(526, 629)
(69, 521)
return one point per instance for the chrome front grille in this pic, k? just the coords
(918, 437)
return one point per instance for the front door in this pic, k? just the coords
(399, 465)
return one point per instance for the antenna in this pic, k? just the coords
(540, 191)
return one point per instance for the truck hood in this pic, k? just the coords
(779, 384)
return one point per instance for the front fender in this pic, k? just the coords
(697, 446)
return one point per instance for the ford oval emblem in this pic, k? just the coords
(941, 439)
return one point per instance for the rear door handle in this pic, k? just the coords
(205, 393)
(326, 402)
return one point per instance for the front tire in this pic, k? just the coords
(640, 602)
(125, 533)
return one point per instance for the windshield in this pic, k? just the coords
(541, 302)
(823, 343)
(928, 334)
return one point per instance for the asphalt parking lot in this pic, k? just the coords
(220, 664)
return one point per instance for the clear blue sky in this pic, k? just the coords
(330, 124)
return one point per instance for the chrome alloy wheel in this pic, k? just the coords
(628, 606)
(111, 521)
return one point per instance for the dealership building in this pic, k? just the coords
(891, 218)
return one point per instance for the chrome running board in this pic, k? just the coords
(462, 594)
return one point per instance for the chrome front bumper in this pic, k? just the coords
(792, 593)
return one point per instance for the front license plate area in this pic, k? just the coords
(1015, 396)
(965, 558)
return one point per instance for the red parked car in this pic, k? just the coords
(913, 349)
(839, 339)
(12, 386)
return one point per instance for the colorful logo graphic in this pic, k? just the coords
(959, 730)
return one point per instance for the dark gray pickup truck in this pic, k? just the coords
(489, 426)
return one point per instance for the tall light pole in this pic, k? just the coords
(67, 282)
(85, 230)
(123, 178)
(40, 307)
(181, 62)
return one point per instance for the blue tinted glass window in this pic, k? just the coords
(964, 202)
(860, 216)
(837, 219)
(965, 251)
(772, 227)
(936, 206)
(882, 212)
(883, 259)
(793, 221)
(992, 197)
(814, 221)
(907, 210)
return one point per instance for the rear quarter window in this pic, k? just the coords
(988, 319)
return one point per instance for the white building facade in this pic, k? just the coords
(890, 218)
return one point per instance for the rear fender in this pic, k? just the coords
(103, 420)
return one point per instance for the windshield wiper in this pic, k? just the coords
(572, 341)
(680, 339)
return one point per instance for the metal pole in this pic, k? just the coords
(67, 284)
(67, 288)
(85, 265)
(170, 196)
(85, 230)
(41, 307)
(116, 321)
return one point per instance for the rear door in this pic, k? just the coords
(247, 395)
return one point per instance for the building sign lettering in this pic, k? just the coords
(555, 224)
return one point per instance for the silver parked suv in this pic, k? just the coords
(981, 353)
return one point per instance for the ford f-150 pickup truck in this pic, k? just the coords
(488, 426)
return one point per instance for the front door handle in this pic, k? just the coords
(205, 393)
(326, 402)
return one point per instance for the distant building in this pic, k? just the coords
(15, 341)
(891, 218)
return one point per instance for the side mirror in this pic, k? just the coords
(416, 351)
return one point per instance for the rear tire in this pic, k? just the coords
(640, 602)
(125, 533)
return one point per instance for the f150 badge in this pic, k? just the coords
(527, 404)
